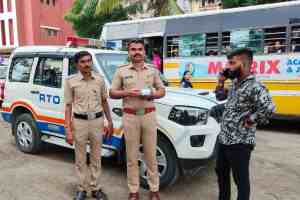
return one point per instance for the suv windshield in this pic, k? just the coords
(110, 62)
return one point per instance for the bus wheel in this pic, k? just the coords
(27, 136)
(168, 167)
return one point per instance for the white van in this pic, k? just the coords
(34, 105)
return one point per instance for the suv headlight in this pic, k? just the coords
(188, 115)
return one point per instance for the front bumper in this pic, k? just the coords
(192, 165)
(183, 145)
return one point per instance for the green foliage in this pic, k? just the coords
(164, 7)
(87, 24)
(104, 7)
(89, 16)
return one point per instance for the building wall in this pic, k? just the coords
(188, 6)
(25, 22)
(34, 22)
(197, 5)
(8, 25)
(43, 21)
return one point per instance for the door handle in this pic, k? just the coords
(118, 111)
(34, 92)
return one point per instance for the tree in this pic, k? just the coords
(160, 7)
(164, 7)
(89, 16)
(87, 22)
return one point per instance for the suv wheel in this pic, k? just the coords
(28, 138)
(168, 167)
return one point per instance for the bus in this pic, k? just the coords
(199, 43)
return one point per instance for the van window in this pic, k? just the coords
(49, 72)
(3, 72)
(20, 70)
(72, 67)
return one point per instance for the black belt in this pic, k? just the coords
(88, 116)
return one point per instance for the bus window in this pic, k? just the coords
(125, 45)
(275, 40)
(186, 45)
(226, 42)
(295, 39)
(250, 38)
(172, 46)
(211, 44)
(192, 45)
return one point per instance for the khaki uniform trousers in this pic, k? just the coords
(88, 131)
(137, 129)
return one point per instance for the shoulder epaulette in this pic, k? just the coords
(125, 65)
(71, 76)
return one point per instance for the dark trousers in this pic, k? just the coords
(234, 158)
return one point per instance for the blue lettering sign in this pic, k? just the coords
(293, 62)
(296, 62)
(49, 98)
(56, 99)
(42, 97)
(289, 70)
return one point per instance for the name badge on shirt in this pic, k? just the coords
(128, 77)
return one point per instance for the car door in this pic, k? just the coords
(47, 93)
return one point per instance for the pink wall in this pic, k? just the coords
(25, 23)
(32, 14)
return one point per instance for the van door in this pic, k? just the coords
(47, 93)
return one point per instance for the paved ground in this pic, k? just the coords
(275, 171)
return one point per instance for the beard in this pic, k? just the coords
(232, 74)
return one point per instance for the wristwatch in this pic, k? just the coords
(146, 92)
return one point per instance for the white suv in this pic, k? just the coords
(34, 105)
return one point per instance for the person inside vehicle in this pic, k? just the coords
(277, 48)
(156, 60)
(186, 80)
(296, 46)
(50, 77)
(212, 53)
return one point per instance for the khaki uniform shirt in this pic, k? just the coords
(127, 77)
(85, 95)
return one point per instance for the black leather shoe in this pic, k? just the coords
(99, 195)
(80, 195)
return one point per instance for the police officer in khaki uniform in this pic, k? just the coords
(138, 84)
(86, 100)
